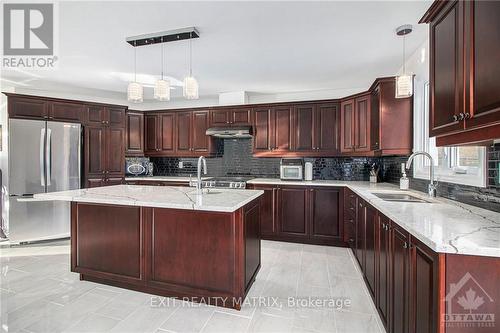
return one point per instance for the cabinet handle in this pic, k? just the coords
(360, 205)
(351, 240)
(405, 245)
(455, 117)
(461, 116)
(467, 115)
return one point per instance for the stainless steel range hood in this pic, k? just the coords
(240, 132)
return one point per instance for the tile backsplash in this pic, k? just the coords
(234, 158)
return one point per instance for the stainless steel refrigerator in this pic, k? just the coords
(44, 156)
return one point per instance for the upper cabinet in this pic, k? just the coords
(464, 76)
(376, 122)
(32, 107)
(135, 134)
(272, 131)
(230, 117)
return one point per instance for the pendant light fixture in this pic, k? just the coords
(190, 89)
(134, 90)
(162, 87)
(404, 82)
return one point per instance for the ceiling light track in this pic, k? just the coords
(163, 37)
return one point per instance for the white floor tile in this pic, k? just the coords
(221, 322)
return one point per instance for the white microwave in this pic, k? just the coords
(291, 169)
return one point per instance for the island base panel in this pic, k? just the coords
(200, 256)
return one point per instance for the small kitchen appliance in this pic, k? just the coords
(308, 173)
(291, 169)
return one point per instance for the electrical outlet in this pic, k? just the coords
(181, 165)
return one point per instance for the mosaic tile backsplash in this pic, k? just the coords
(234, 158)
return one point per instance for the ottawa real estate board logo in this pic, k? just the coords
(29, 32)
(469, 305)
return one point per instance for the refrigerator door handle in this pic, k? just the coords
(48, 156)
(42, 157)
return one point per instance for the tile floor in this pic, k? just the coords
(38, 293)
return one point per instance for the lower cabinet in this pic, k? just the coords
(382, 264)
(371, 215)
(302, 214)
(105, 181)
(400, 263)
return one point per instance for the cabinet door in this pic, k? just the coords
(282, 130)
(166, 135)
(375, 119)
(67, 112)
(370, 239)
(360, 232)
(325, 214)
(115, 117)
(293, 212)
(200, 140)
(219, 118)
(27, 108)
(95, 115)
(263, 131)
(268, 223)
(446, 70)
(326, 128)
(241, 117)
(400, 263)
(347, 126)
(95, 150)
(383, 272)
(424, 288)
(184, 128)
(152, 132)
(483, 18)
(303, 128)
(135, 134)
(362, 124)
(115, 151)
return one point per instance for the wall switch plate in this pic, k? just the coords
(181, 165)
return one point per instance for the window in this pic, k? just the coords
(461, 165)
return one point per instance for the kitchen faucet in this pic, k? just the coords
(199, 185)
(431, 189)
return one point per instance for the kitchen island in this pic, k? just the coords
(166, 241)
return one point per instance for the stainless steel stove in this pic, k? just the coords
(226, 182)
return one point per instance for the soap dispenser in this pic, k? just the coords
(404, 182)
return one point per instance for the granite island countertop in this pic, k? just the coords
(182, 179)
(216, 200)
(445, 226)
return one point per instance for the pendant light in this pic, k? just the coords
(190, 90)
(162, 87)
(134, 90)
(404, 82)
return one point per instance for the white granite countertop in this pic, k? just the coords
(163, 178)
(446, 226)
(216, 200)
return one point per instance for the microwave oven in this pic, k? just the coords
(291, 169)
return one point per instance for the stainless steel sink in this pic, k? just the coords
(400, 197)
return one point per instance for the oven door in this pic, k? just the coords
(291, 172)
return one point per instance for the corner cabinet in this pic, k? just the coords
(464, 76)
(302, 214)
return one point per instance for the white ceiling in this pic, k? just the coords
(259, 47)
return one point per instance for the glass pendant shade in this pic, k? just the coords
(134, 92)
(404, 86)
(190, 90)
(162, 90)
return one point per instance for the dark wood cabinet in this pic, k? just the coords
(360, 232)
(369, 268)
(362, 124)
(464, 76)
(134, 134)
(200, 142)
(424, 300)
(159, 134)
(104, 145)
(382, 264)
(304, 127)
(400, 278)
(327, 129)
(325, 207)
(66, 112)
(152, 132)
(292, 212)
(184, 133)
(272, 135)
(30, 108)
(191, 135)
(302, 214)
(230, 117)
(347, 127)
